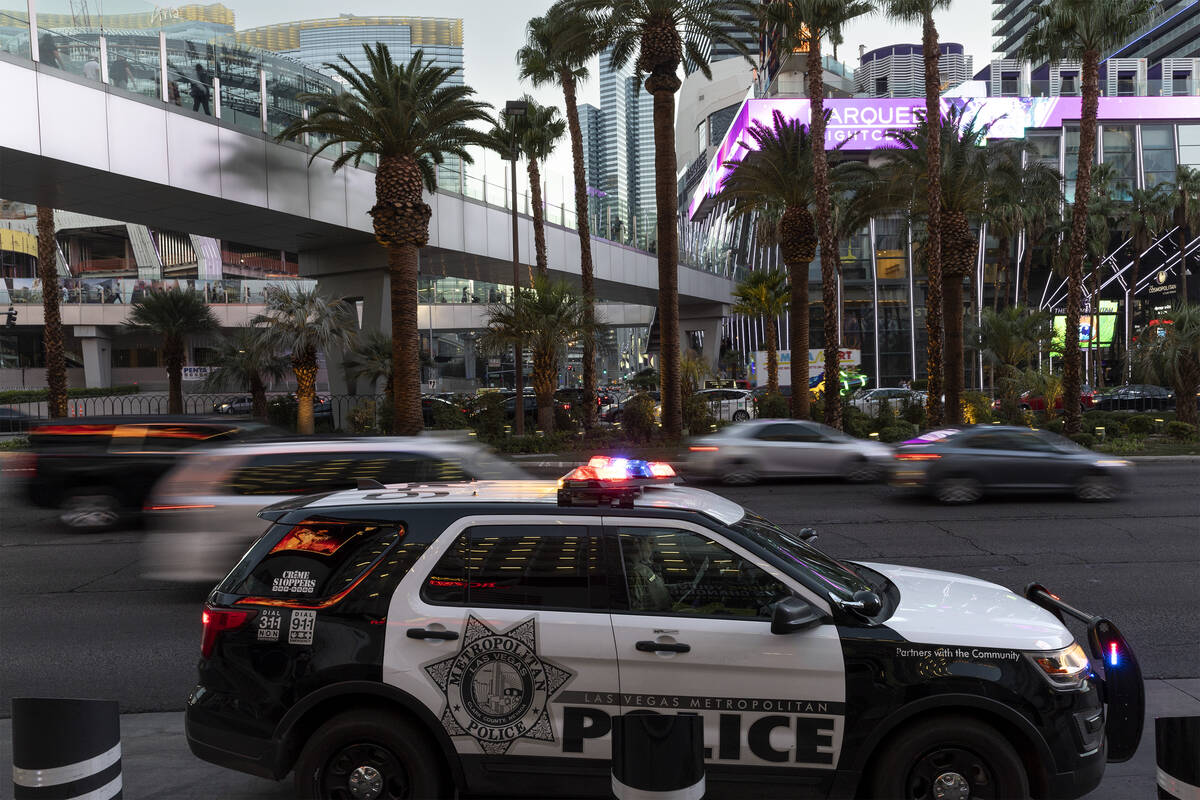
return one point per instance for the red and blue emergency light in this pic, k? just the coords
(610, 480)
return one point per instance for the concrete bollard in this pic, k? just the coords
(658, 756)
(1177, 749)
(65, 749)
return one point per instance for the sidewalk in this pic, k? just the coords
(156, 763)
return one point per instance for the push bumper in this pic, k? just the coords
(219, 743)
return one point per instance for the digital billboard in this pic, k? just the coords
(1105, 322)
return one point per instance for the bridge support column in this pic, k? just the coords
(97, 355)
(702, 325)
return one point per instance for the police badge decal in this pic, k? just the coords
(497, 688)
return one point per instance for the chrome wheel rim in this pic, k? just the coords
(956, 491)
(89, 511)
(1097, 488)
(740, 475)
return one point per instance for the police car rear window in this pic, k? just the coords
(315, 563)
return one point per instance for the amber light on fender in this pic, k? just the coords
(917, 456)
(704, 449)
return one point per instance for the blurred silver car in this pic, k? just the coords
(744, 452)
(203, 515)
(870, 401)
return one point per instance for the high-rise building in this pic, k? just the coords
(316, 42)
(745, 34)
(898, 70)
(621, 140)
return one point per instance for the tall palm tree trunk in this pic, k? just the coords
(824, 218)
(1026, 265)
(798, 339)
(933, 242)
(52, 332)
(959, 249)
(258, 396)
(1003, 273)
(1183, 234)
(583, 225)
(539, 219)
(771, 329)
(406, 341)
(1072, 355)
(544, 377)
(174, 354)
(662, 86)
(305, 367)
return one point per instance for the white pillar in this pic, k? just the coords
(97, 355)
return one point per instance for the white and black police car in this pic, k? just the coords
(480, 638)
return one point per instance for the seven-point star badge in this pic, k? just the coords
(497, 688)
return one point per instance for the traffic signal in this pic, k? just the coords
(10, 318)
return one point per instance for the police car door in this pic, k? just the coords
(696, 638)
(495, 621)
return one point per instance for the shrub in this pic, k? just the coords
(920, 385)
(447, 418)
(773, 406)
(565, 420)
(697, 415)
(36, 395)
(1084, 439)
(281, 412)
(1140, 424)
(362, 417)
(884, 417)
(976, 408)
(1057, 426)
(1125, 446)
(1181, 431)
(913, 413)
(637, 418)
(855, 422)
(898, 431)
(489, 418)
(15, 443)
(531, 443)
(816, 410)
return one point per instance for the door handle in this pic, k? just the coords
(422, 633)
(663, 647)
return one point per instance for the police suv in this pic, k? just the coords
(481, 638)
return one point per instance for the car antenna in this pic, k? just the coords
(369, 483)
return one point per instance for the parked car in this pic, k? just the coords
(1028, 401)
(962, 464)
(235, 405)
(870, 401)
(1137, 397)
(14, 421)
(574, 396)
(613, 412)
(204, 514)
(744, 452)
(99, 470)
(729, 405)
(431, 403)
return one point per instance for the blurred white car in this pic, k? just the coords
(203, 515)
(745, 452)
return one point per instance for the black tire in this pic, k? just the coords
(1097, 488)
(90, 509)
(372, 746)
(741, 416)
(959, 750)
(860, 470)
(739, 473)
(956, 490)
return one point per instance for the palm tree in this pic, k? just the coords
(558, 47)
(964, 181)
(922, 11)
(1187, 217)
(1171, 353)
(1022, 192)
(544, 318)
(303, 322)
(1010, 339)
(1143, 217)
(52, 332)
(243, 360)
(1085, 30)
(766, 295)
(172, 315)
(657, 35)
(537, 132)
(370, 358)
(773, 182)
(1042, 200)
(803, 24)
(412, 118)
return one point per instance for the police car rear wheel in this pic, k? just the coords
(950, 758)
(368, 755)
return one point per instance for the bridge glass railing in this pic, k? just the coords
(77, 291)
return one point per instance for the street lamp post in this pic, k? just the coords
(513, 109)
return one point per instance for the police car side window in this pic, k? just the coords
(526, 566)
(308, 473)
(671, 571)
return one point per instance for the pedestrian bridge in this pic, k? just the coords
(85, 146)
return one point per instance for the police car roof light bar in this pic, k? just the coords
(608, 480)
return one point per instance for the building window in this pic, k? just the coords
(1180, 83)
(1118, 152)
(1125, 85)
(122, 357)
(1189, 145)
(1070, 85)
(719, 122)
(147, 357)
(1009, 84)
(881, 86)
(1158, 154)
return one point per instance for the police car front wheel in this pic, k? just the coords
(950, 758)
(369, 755)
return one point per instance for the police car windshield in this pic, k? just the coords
(804, 560)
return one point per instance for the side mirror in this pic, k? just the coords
(865, 602)
(794, 614)
(808, 535)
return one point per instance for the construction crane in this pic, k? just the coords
(81, 17)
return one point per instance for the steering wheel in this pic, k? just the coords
(695, 581)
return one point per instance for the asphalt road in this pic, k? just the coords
(77, 620)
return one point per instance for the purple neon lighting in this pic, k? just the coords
(863, 122)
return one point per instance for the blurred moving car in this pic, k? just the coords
(99, 470)
(204, 514)
(870, 401)
(1137, 397)
(613, 412)
(745, 452)
(233, 405)
(961, 465)
(14, 421)
(729, 405)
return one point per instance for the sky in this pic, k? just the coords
(493, 30)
